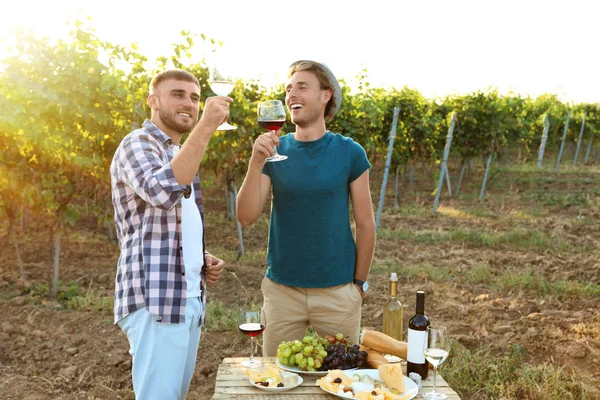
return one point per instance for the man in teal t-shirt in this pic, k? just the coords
(317, 271)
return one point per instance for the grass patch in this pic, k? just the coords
(480, 274)
(92, 300)
(585, 221)
(455, 213)
(220, 316)
(580, 198)
(412, 210)
(528, 279)
(425, 272)
(71, 297)
(517, 237)
(523, 215)
(482, 375)
(565, 169)
(479, 212)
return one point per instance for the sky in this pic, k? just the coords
(438, 47)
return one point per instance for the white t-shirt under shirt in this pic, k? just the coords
(191, 230)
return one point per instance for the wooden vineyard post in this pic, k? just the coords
(487, 171)
(237, 222)
(562, 143)
(579, 141)
(396, 189)
(443, 168)
(232, 205)
(387, 165)
(447, 179)
(589, 148)
(53, 284)
(543, 142)
(460, 177)
(226, 193)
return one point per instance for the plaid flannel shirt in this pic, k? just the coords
(147, 202)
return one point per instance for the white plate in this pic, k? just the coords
(299, 371)
(299, 381)
(410, 388)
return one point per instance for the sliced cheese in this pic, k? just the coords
(391, 375)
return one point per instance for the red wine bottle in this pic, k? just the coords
(417, 335)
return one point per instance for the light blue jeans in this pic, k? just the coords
(164, 355)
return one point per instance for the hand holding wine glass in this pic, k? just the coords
(221, 82)
(271, 116)
(436, 352)
(252, 322)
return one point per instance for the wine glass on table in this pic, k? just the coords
(271, 116)
(436, 351)
(221, 82)
(252, 323)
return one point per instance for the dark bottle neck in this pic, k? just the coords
(420, 302)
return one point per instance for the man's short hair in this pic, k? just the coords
(327, 81)
(177, 74)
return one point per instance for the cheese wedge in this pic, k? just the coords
(391, 374)
(269, 374)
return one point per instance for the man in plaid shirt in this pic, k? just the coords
(160, 296)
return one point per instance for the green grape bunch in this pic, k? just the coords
(318, 353)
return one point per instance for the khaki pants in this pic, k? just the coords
(290, 310)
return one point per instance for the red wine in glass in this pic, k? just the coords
(271, 116)
(252, 322)
(272, 125)
(252, 329)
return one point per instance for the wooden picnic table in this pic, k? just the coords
(233, 383)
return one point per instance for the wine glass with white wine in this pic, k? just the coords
(436, 351)
(221, 81)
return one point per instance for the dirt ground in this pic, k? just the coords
(49, 352)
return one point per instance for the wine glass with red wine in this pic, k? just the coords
(252, 323)
(271, 116)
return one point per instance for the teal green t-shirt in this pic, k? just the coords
(310, 240)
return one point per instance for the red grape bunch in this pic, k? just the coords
(341, 355)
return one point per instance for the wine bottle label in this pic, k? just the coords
(416, 346)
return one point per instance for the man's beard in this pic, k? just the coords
(307, 119)
(168, 119)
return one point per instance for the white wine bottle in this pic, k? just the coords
(417, 335)
(393, 313)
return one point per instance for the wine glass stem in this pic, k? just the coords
(252, 348)
(434, 376)
(275, 150)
